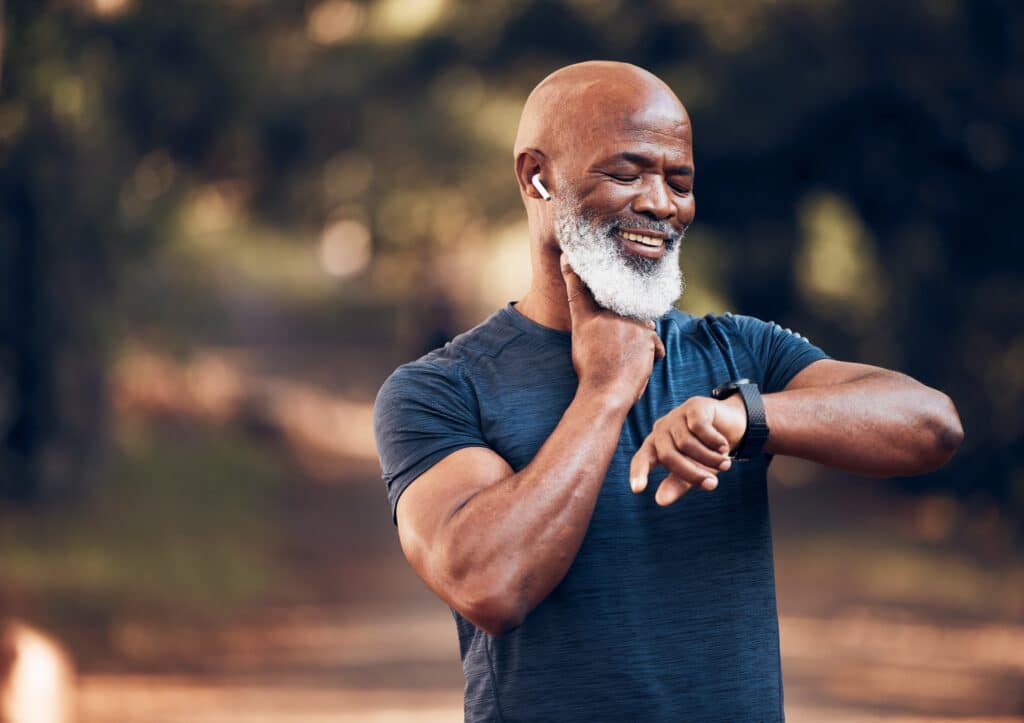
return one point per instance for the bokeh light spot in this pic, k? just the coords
(345, 248)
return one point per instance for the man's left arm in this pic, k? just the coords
(860, 418)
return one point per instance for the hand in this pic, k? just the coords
(611, 354)
(692, 442)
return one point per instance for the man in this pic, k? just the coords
(536, 465)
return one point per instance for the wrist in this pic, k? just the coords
(604, 399)
(737, 416)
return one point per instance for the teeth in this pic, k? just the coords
(641, 239)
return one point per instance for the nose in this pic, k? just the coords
(654, 199)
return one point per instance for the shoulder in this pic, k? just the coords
(681, 322)
(434, 376)
(442, 372)
(750, 328)
(753, 327)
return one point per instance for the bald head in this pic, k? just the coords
(580, 102)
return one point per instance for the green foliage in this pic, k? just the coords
(181, 522)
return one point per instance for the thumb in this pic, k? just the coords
(581, 301)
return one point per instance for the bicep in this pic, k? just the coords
(425, 507)
(825, 372)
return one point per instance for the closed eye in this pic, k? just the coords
(624, 177)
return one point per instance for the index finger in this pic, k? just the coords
(640, 466)
(579, 296)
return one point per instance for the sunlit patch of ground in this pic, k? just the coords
(166, 699)
(400, 667)
(392, 663)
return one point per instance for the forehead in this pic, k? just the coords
(655, 125)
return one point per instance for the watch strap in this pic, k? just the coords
(757, 423)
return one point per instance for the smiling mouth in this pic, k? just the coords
(646, 239)
(648, 244)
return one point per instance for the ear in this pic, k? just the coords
(529, 163)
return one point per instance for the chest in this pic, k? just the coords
(520, 408)
(523, 410)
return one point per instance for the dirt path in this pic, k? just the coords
(393, 666)
(361, 638)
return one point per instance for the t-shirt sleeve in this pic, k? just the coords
(423, 412)
(781, 353)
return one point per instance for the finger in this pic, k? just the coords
(692, 447)
(659, 347)
(640, 466)
(679, 465)
(581, 301)
(670, 490)
(705, 431)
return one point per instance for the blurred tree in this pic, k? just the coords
(87, 108)
(858, 166)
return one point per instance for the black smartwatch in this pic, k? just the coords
(757, 424)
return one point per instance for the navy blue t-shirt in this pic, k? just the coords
(666, 613)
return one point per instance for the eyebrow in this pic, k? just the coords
(641, 160)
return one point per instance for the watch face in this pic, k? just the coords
(723, 391)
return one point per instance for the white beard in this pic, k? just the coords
(628, 285)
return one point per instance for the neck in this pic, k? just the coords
(546, 302)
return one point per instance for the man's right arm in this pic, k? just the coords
(493, 543)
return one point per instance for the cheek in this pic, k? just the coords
(686, 209)
(608, 198)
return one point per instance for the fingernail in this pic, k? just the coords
(709, 483)
(634, 484)
(724, 449)
(726, 464)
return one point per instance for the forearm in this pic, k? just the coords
(514, 541)
(879, 425)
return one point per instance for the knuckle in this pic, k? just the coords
(696, 450)
(682, 468)
(680, 435)
(678, 467)
(704, 424)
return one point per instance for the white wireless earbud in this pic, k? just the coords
(540, 187)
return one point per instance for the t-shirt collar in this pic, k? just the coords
(516, 318)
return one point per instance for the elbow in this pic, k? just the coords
(945, 433)
(949, 432)
(494, 614)
(499, 626)
(952, 435)
(482, 598)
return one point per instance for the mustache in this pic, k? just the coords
(672, 235)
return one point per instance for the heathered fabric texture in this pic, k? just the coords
(666, 614)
